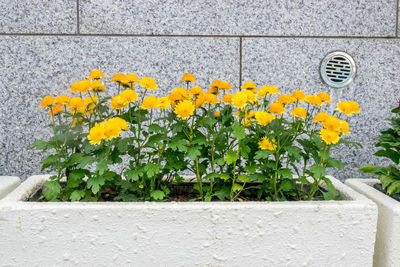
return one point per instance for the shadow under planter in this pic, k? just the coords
(317, 233)
(387, 246)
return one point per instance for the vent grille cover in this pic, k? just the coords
(338, 69)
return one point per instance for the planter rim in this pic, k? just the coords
(367, 187)
(8, 184)
(349, 198)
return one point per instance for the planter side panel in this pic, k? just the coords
(187, 234)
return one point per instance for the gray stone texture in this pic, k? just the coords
(293, 64)
(33, 67)
(33, 16)
(232, 17)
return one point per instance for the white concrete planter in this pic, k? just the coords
(8, 184)
(387, 246)
(319, 233)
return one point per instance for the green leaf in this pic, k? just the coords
(40, 145)
(287, 185)
(238, 131)
(263, 154)
(123, 144)
(102, 166)
(258, 177)
(294, 152)
(394, 188)
(210, 176)
(51, 190)
(199, 140)
(151, 169)
(331, 194)
(77, 195)
(94, 183)
(224, 176)
(178, 144)
(285, 173)
(251, 168)
(133, 175)
(223, 193)
(85, 161)
(237, 187)
(51, 160)
(155, 128)
(324, 155)
(243, 178)
(154, 140)
(193, 152)
(331, 162)
(388, 153)
(75, 178)
(244, 150)
(377, 170)
(157, 194)
(317, 171)
(220, 161)
(231, 157)
(74, 158)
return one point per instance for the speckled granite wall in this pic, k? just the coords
(46, 46)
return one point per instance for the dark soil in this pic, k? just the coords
(380, 188)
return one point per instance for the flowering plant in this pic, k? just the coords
(389, 145)
(238, 146)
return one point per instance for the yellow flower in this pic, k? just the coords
(77, 121)
(196, 90)
(89, 103)
(54, 110)
(199, 100)
(268, 90)
(111, 129)
(175, 97)
(263, 118)
(150, 102)
(266, 144)
(185, 94)
(348, 107)
(163, 103)
(184, 109)
(96, 134)
(225, 85)
(332, 123)
(119, 122)
(117, 102)
(148, 83)
(216, 84)
(47, 101)
(210, 99)
(314, 100)
(188, 77)
(96, 74)
(299, 112)
(228, 98)
(251, 97)
(217, 114)
(129, 96)
(97, 86)
(325, 97)
(246, 123)
(80, 86)
(286, 99)
(344, 127)
(276, 108)
(118, 77)
(76, 104)
(321, 117)
(298, 95)
(329, 137)
(62, 100)
(213, 90)
(240, 99)
(131, 78)
(249, 86)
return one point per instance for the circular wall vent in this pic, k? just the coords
(338, 69)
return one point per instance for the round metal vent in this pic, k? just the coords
(338, 69)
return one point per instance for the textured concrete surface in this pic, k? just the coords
(187, 234)
(293, 64)
(259, 17)
(33, 67)
(7, 184)
(387, 245)
(32, 16)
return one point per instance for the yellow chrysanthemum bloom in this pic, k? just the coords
(75, 104)
(129, 96)
(213, 90)
(313, 99)
(277, 108)
(96, 74)
(325, 97)
(263, 118)
(251, 97)
(163, 103)
(332, 123)
(188, 77)
(80, 86)
(240, 99)
(321, 117)
(47, 101)
(118, 77)
(199, 101)
(266, 144)
(117, 102)
(210, 99)
(249, 86)
(150, 102)
(97, 86)
(225, 85)
(298, 95)
(286, 99)
(228, 98)
(62, 100)
(348, 107)
(132, 78)
(111, 129)
(54, 110)
(175, 97)
(246, 123)
(217, 114)
(119, 122)
(329, 137)
(90, 102)
(96, 134)
(268, 90)
(216, 84)
(148, 83)
(344, 127)
(252, 114)
(196, 90)
(184, 109)
(299, 112)
(184, 93)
